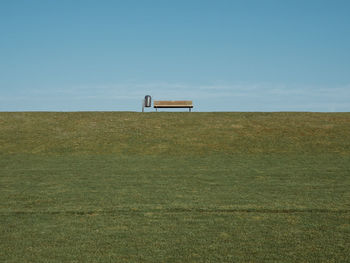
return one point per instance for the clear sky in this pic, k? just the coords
(263, 55)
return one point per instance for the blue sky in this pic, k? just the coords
(263, 55)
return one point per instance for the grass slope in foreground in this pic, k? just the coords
(174, 187)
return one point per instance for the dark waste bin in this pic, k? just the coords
(148, 101)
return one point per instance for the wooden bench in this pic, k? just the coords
(157, 104)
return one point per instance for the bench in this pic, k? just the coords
(157, 104)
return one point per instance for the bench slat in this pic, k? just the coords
(173, 104)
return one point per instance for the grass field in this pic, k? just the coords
(174, 187)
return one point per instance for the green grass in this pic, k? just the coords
(174, 187)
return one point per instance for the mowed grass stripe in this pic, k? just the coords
(181, 210)
(107, 182)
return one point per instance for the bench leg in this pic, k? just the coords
(189, 109)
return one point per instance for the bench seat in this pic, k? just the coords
(173, 104)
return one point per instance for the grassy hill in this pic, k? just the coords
(174, 187)
(174, 133)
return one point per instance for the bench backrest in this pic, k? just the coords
(184, 103)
